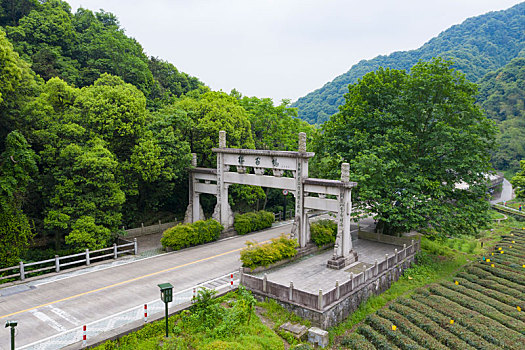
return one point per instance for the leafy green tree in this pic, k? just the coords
(15, 235)
(274, 127)
(45, 37)
(17, 167)
(410, 139)
(17, 87)
(104, 48)
(85, 186)
(12, 10)
(205, 115)
(169, 81)
(518, 181)
(502, 96)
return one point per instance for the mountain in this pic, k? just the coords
(477, 46)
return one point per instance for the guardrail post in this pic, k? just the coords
(141, 228)
(87, 257)
(290, 292)
(57, 263)
(265, 281)
(135, 246)
(337, 290)
(351, 281)
(376, 268)
(320, 300)
(115, 253)
(395, 254)
(386, 258)
(241, 276)
(364, 273)
(22, 272)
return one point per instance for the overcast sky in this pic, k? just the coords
(282, 48)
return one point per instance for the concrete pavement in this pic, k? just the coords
(61, 305)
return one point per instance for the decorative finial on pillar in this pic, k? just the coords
(345, 172)
(194, 159)
(222, 139)
(302, 142)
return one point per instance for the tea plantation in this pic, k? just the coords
(482, 307)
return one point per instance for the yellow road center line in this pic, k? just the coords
(124, 282)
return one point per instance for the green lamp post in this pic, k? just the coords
(12, 324)
(166, 295)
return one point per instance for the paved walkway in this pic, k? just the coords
(311, 273)
(507, 193)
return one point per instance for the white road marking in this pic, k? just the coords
(48, 321)
(65, 315)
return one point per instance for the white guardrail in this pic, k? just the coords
(58, 262)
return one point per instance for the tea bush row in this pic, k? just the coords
(411, 330)
(483, 326)
(480, 307)
(491, 284)
(458, 330)
(429, 326)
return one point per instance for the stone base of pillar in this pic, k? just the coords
(188, 216)
(337, 263)
(217, 216)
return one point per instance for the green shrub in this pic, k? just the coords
(187, 235)
(253, 221)
(265, 254)
(323, 232)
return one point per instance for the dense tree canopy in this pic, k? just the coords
(409, 139)
(502, 96)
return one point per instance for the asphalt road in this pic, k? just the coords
(58, 306)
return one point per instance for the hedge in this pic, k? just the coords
(323, 232)
(265, 254)
(253, 221)
(187, 235)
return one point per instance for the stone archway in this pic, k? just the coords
(216, 182)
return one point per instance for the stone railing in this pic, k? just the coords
(58, 263)
(148, 230)
(323, 300)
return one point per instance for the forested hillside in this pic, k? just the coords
(79, 47)
(94, 135)
(477, 46)
(502, 96)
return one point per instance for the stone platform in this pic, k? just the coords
(311, 274)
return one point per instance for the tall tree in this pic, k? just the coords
(410, 139)
(17, 168)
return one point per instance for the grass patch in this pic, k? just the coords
(495, 215)
(228, 322)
